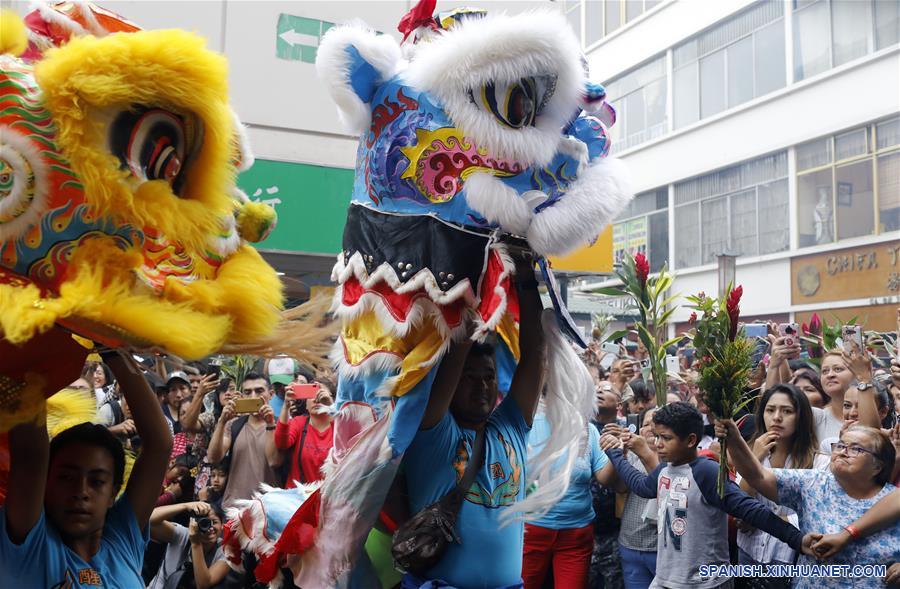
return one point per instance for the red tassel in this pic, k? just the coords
(421, 15)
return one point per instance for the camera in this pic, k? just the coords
(204, 524)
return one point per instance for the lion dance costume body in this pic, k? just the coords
(477, 132)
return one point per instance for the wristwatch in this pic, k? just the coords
(862, 386)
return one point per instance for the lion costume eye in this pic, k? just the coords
(516, 104)
(155, 144)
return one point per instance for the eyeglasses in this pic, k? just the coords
(854, 451)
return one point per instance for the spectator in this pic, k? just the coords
(194, 557)
(178, 386)
(99, 376)
(621, 373)
(178, 484)
(895, 383)
(836, 379)
(218, 479)
(808, 381)
(693, 524)
(309, 437)
(644, 397)
(198, 430)
(606, 568)
(281, 371)
(637, 532)
(784, 438)
(830, 500)
(562, 540)
(62, 523)
(466, 384)
(244, 441)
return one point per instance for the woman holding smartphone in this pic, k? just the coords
(308, 437)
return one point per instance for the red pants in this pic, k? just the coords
(568, 550)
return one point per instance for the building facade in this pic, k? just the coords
(768, 129)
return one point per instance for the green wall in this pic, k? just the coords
(313, 207)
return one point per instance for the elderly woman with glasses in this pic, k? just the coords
(308, 437)
(830, 500)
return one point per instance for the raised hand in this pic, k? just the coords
(830, 544)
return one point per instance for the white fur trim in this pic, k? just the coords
(17, 150)
(88, 15)
(332, 63)
(341, 526)
(243, 144)
(423, 279)
(50, 15)
(596, 198)
(503, 49)
(568, 406)
(498, 203)
(227, 245)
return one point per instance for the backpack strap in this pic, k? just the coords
(236, 426)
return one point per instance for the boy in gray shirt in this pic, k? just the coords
(692, 524)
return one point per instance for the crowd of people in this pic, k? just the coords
(814, 461)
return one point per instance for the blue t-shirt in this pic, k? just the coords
(575, 509)
(823, 506)
(42, 560)
(488, 556)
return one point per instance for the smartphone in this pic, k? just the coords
(248, 406)
(215, 369)
(672, 364)
(645, 363)
(849, 334)
(610, 348)
(759, 330)
(631, 347)
(789, 331)
(607, 361)
(305, 391)
(631, 421)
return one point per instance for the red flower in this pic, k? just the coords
(732, 306)
(804, 329)
(692, 318)
(641, 268)
(815, 324)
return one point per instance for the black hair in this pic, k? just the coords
(482, 349)
(187, 459)
(682, 418)
(305, 372)
(254, 376)
(217, 508)
(884, 401)
(87, 373)
(813, 377)
(222, 466)
(641, 390)
(92, 434)
(804, 444)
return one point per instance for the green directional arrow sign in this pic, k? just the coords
(298, 37)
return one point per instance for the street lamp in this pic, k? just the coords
(726, 261)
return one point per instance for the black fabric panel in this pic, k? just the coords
(409, 243)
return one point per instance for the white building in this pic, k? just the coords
(766, 127)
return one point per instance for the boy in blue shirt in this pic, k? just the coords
(62, 525)
(692, 521)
